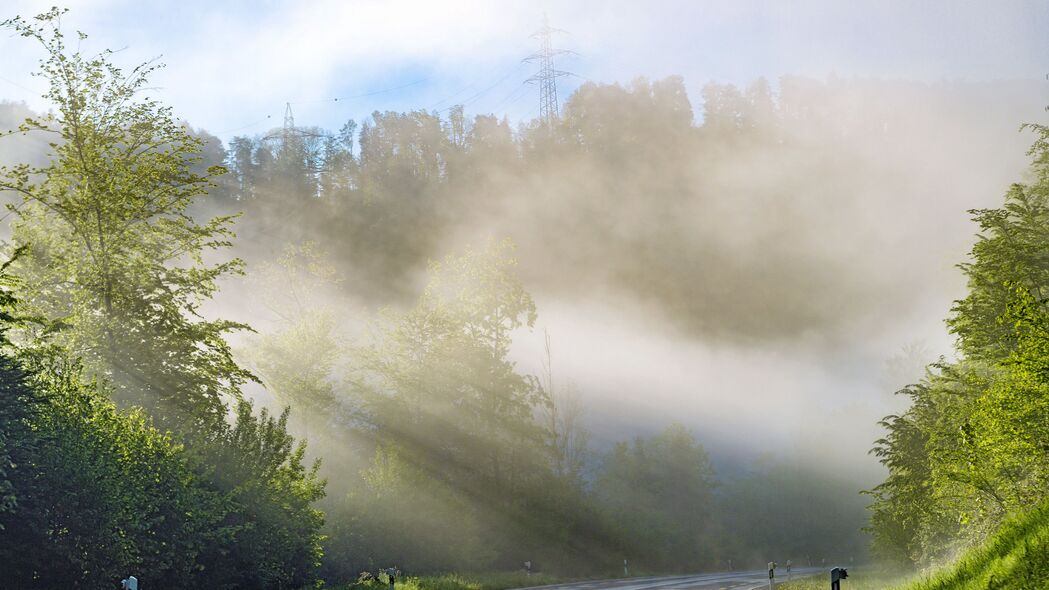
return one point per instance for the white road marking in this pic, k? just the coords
(748, 580)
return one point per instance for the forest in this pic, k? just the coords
(287, 360)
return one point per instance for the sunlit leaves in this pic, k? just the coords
(974, 446)
(114, 256)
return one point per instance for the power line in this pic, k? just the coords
(477, 95)
(473, 98)
(13, 83)
(469, 87)
(545, 77)
(512, 98)
(363, 95)
(242, 128)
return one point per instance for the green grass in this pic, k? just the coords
(860, 578)
(1017, 556)
(482, 581)
(1014, 558)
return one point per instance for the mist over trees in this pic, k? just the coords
(742, 228)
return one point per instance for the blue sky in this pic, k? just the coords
(232, 65)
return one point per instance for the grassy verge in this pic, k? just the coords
(860, 578)
(482, 581)
(1017, 556)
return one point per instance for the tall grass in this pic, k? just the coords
(1017, 556)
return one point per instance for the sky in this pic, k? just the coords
(233, 66)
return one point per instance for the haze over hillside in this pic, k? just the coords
(833, 226)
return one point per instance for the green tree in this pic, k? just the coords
(971, 449)
(16, 402)
(103, 493)
(659, 491)
(100, 493)
(114, 261)
(438, 392)
(439, 379)
(297, 359)
(263, 477)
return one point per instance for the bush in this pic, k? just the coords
(94, 493)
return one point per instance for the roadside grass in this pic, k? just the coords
(487, 581)
(860, 578)
(1017, 556)
(479, 581)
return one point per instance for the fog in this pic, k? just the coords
(780, 300)
(759, 291)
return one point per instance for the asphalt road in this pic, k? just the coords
(748, 580)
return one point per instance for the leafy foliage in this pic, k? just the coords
(101, 493)
(297, 359)
(114, 261)
(973, 447)
(108, 263)
(260, 473)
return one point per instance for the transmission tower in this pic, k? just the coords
(547, 75)
(289, 119)
(289, 131)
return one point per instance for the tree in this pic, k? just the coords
(971, 449)
(660, 493)
(16, 401)
(438, 391)
(113, 259)
(563, 417)
(439, 375)
(269, 491)
(297, 359)
(100, 492)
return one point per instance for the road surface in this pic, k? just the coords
(746, 580)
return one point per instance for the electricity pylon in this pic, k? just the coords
(289, 132)
(547, 75)
(289, 119)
